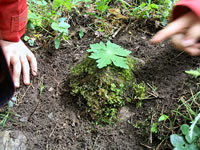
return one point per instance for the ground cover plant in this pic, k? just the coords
(70, 39)
(107, 84)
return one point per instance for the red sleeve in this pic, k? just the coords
(13, 19)
(184, 6)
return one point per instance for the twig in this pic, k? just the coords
(117, 31)
(146, 146)
(52, 131)
(157, 148)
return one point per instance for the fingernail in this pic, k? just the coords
(34, 73)
(27, 82)
(187, 43)
(16, 84)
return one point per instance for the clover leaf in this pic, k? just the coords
(109, 53)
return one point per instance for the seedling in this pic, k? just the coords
(154, 128)
(194, 73)
(62, 28)
(6, 115)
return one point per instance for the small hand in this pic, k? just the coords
(19, 59)
(184, 32)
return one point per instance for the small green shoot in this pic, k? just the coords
(6, 115)
(81, 34)
(194, 73)
(154, 128)
(108, 54)
(102, 5)
(29, 40)
(163, 118)
(62, 28)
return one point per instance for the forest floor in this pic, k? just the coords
(51, 118)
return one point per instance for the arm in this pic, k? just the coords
(184, 30)
(13, 19)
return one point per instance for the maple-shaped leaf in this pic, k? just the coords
(109, 53)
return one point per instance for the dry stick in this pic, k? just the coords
(158, 147)
(194, 98)
(29, 118)
(52, 131)
(146, 146)
(150, 136)
(117, 31)
(20, 99)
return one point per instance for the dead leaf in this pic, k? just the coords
(117, 13)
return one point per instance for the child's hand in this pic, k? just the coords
(19, 57)
(184, 32)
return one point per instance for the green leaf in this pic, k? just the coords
(57, 43)
(57, 40)
(81, 34)
(185, 129)
(102, 5)
(107, 54)
(61, 27)
(177, 140)
(163, 117)
(193, 128)
(194, 73)
(26, 38)
(154, 128)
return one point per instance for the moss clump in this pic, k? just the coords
(105, 90)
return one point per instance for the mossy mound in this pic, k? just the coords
(106, 90)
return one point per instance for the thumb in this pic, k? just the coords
(192, 35)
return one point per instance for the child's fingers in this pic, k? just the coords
(192, 35)
(177, 41)
(175, 27)
(193, 51)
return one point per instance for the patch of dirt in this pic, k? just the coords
(51, 119)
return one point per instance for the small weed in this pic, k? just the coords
(5, 116)
(62, 28)
(194, 73)
(42, 86)
(154, 127)
(190, 138)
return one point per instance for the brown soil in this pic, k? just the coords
(53, 120)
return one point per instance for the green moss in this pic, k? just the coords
(105, 90)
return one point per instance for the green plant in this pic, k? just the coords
(62, 28)
(4, 116)
(44, 15)
(29, 40)
(150, 9)
(194, 73)
(103, 91)
(102, 5)
(190, 138)
(107, 54)
(154, 127)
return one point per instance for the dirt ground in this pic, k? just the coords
(51, 119)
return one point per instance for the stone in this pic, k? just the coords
(124, 114)
(12, 140)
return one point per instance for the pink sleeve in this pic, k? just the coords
(184, 6)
